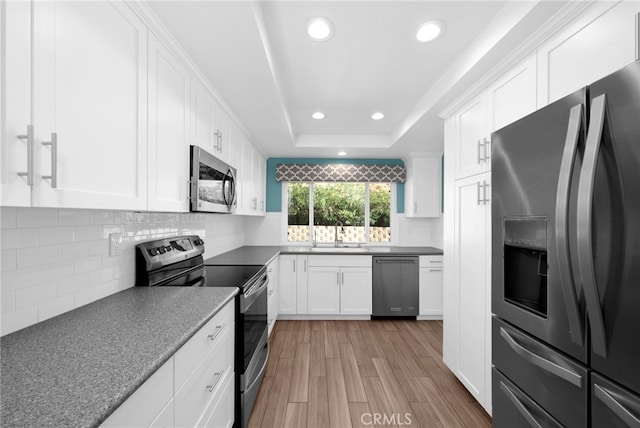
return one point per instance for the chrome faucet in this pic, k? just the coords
(336, 240)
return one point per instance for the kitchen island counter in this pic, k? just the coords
(77, 368)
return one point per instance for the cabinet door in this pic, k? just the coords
(471, 288)
(203, 131)
(223, 124)
(169, 87)
(323, 290)
(287, 293)
(355, 291)
(597, 44)
(90, 96)
(512, 96)
(260, 180)
(16, 111)
(423, 188)
(471, 137)
(431, 291)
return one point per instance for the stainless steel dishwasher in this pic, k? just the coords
(395, 285)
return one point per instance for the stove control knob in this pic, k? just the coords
(168, 248)
(153, 252)
(199, 242)
(162, 250)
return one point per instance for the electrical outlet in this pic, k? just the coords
(115, 244)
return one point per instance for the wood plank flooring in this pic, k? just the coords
(325, 374)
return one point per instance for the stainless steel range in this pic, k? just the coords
(178, 261)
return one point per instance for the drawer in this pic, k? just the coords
(221, 412)
(430, 261)
(200, 389)
(147, 402)
(339, 261)
(558, 384)
(189, 356)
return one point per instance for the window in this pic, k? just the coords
(350, 212)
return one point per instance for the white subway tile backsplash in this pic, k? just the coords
(8, 218)
(88, 295)
(74, 250)
(37, 256)
(36, 217)
(87, 264)
(21, 318)
(54, 260)
(18, 238)
(9, 260)
(73, 284)
(8, 301)
(55, 235)
(87, 233)
(54, 307)
(74, 217)
(31, 296)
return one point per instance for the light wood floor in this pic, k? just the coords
(346, 373)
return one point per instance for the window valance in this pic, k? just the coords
(340, 172)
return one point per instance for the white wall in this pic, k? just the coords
(55, 260)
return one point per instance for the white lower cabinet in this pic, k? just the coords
(339, 285)
(431, 280)
(292, 284)
(193, 388)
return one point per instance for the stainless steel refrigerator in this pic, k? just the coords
(566, 260)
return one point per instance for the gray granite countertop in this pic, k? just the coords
(261, 255)
(75, 369)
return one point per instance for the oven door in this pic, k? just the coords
(213, 183)
(253, 317)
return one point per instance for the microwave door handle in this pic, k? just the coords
(584, 222)
(226, 180)
(233, 187)
(562, 230)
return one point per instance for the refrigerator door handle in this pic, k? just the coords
(616, 407)
(583, 223)
(543, 363)
(526, 414)
(562, 230)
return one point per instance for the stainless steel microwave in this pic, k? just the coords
(213, 183)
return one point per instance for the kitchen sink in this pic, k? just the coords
(339, 250)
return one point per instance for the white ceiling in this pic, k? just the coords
(273, 77)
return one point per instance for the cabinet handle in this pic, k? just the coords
(54, 160)
(485, 200)
(435, 261)
(338, 278)
(294, 265)
(29, 139)
(478, 191)
(216, 378)
(415, 208)
(478, 158)
(435, 270)
(220, 149)
(216, 332)
(305, 265)
(487, 153)
(270, 292)
(342, 279)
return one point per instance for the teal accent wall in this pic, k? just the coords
(274, 188)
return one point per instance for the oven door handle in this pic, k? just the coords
(252, 294)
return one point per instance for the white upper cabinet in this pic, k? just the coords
(203, 131)
(169, 114)
(15, 30)
(594, 46)
(90, 106)
(423, 188)
(512, 96)
(223, 146)
(472, 138)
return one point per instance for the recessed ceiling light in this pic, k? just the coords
(320, 29)
(430, 31)
(318, 115)
(342, 153)
(377, 116)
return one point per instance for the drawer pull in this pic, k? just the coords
(435, 270)
(435, 261)
(216, 379)
(217, 332)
